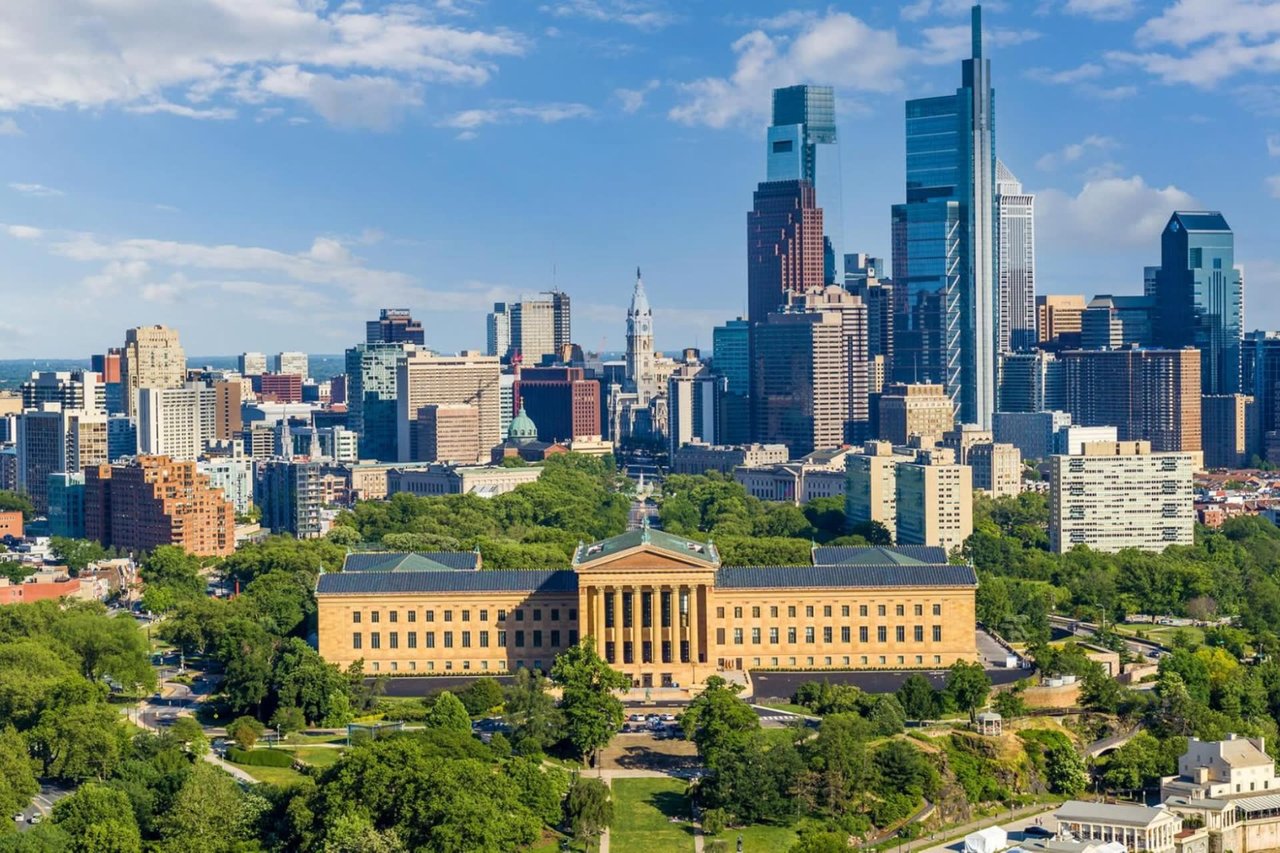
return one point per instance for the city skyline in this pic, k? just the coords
(243, 228)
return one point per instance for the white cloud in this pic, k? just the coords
(633, 13)
(924, 8)
(633, 99)
(1273, 185)
(24, 232)
(1204, 42)
(36, 190)
(1108, 213)
(1067, 76)
(837, 47)
(944, 45)
(200, 58)
(9, 127)
(1103, 10)
(469, 120)
(1273, 145)
(1074, 151)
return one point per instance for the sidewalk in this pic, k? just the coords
(1021, 818)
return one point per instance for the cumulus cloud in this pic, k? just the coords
(1103, 10)
(1204, 42)
(633, 13)
(24, 232)
(1107, 213)
(921, 9)
(36, 190)
(632, 100)
(1273, 185)
(201, 58)
(469, 120)
(1074, 151)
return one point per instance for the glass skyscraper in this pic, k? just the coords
(804, 117)
(1200, 296)
(371, 397)
(944, 237)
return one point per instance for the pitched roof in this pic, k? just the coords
(1201, 220)
(357, 583)
(770, 577)
(1110, 813)
(658, 540)
(1236, 751)
(411, 561)
(878, 555)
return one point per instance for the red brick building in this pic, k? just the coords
(153, 501)
(278, 387)
(562, 402)
(10, 523)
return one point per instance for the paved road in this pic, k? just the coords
(783, 685)
(1016, 829)
(1141, 648)
(43, 804)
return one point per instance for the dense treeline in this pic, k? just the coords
(538, 525)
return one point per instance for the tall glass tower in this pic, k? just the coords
(1200, 296)
(804, 117)
(944, 243)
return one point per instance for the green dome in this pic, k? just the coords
(522, 429)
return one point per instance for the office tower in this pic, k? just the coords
(1147, 394)
(1200, 296)
(784, 246)
(562, 318)
(915, 410)
(75, 389)
(871, 485)
(1261, 378)
(1228, 430)
(997, 469)
(1150, 281)
(278, 387)
(108, 367)
(252, 363)
(507, 401)
(859, 267)
(259, 441)
(877, 295)
(1030, 382)
(1016, 262)
(641, 373)
(1113, 322)
(66, 505)
(122, 437)
(177, 422)
(963, 437)
(153, 358)
(1031, 432)
(450, 432)
(292, 363)
(338, 390)
(1118, 495)
(800, 387)
(853, 320)
(498, 331)
(53, 440)
(1058, 321)
(731, 358)
(804, 117)
(1071, 439)
(227, 422)
(694, 395)
(290, 495)
(338, 443)
(371, 397)
(422, 379)
(151, 501)
(233, 475)
(394, 326)
(944, 260)
(934, 498)
(9, 468)
(562, 401)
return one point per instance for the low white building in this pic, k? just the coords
(1222, 769)
(1138, 828)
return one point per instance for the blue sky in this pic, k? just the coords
(264, 174)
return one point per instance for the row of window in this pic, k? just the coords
(450, 666)
(828, 634)
(845, 660)
(535, 638)
(828, 610)
(793, 661)
(375, 616)
(646, 652)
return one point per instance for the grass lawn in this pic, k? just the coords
(317, 756)
(282, 776)
(641, 808)
(1163, 634)
(302, 739)
(759, 838)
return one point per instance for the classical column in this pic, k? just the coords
(635, 625)
(597, 617)
(694, 640)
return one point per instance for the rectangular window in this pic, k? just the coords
(791, 635)
(355, 617)
(646, 651)
(356, 640)
(393, 640)
(375, 640)
(719, 612)
(484, 615)
(573, 636)
(919, 610)
(466, 639)
(899, 610)
(431, 615)
(573, 614)
(373, 617)
(737, 636)
(646, 610)
(845, 634)
(537, 639)
(827, 635)
(791, 611)
(448, 616)
(555, 614)
(844, 610)
(900, 633)
(808, 611)
(608, 611)
(880, 610)
(448, 639)
(755, 612)
(393, 616)
(737, 613)
(431, 639)
(412, 616)
(862, 610)
(466, 616)
(937, 633)
(826, 610)
(919, 633)
(773, 611)
(519, 639)
(610, 652)
(862, 635)
(684, 651)
(502, 639)
(626, 609)
(412, 637)
(664, 607)
(502, 616)
(719, 636)
(666, 651)
(628, 652)
(519, 615)
(537, 614)
(755, 636)
(809, 634)
(773, 636)
(937, 610)
(555, 638)
(484, 639)
(882, 634)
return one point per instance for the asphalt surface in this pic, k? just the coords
(783, 685)
(42, 805)
(426, 685)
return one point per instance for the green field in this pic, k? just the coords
(317, 756)
(641, 808)
(758, 838)
(282, 776)
(1162, 634)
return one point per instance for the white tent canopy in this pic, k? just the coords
(990, 840)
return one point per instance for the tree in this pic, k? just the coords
(80, 742)
(246, 652)
(170, 575)
(481, 695)
(17, 777)
(820, 841)
(76, 554)
(588, 809)
(968, 686)
(887, 716)
(717, 721)
(208, 812)
(98, 819)
(190, 734)
(448, 712)
(107, 647)
(17, 502)
(1009, 704)
(288, 719)
(874, 532)
(318, 689)
(531, 710)
(354, 833)
(245, 731)
(587, 683)
(918, 699)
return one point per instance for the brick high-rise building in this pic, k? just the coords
(923, 410)
(450, 432)
(423, 378)
(394, 326)
(784, 246)
(800, 384)
(1059, 320)
(227, 422)
(1229, 430)
(279, 387)
(153, 358)
(1147, 394)
(152, 501)
(52, 440)
(562, 401)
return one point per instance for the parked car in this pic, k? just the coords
(35, 818)
(19, 817)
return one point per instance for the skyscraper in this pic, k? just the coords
(371, 397)
(641, 368)
(944, 263)
(1200, 296)
(153, 358)
(800, 384)
(1147, 394)
(423, 378)
(784, 246)
(536, 326)
(804, 117)
(1016, 229)
(731, 358)
(394, 326)
(1059, 320)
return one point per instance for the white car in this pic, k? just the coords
(35, 818)
(19, 817)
